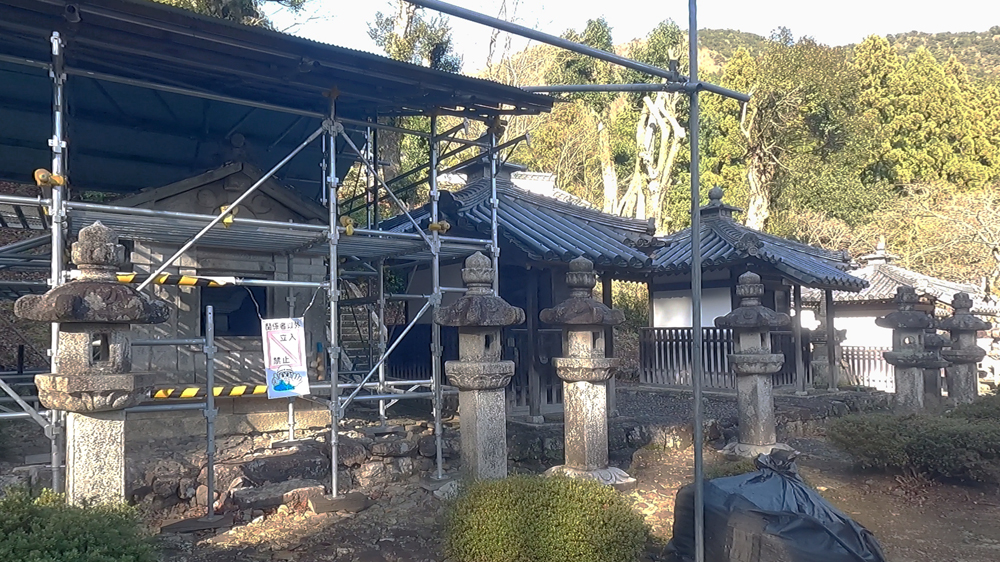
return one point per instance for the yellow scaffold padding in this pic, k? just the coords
(348, 224)
(228, 219)
(219, 391)
(45, 178)
(440, 226)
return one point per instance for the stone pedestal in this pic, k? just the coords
(963, 374)
(95, 456)
(585, 371)
(94, 381)
(754, 364)
(479, 373)
(909, 357)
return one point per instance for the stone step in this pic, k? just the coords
(306, 460)
(294, 493)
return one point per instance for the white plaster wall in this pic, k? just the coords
(672, 309)
(861, 330)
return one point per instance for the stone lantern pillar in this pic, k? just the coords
(753, 364)
(933, 342)
(909, 356)
(94, 381)
(962, 376)
(585, 370)
(479, 373)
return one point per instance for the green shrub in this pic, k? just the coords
(950, 447)
(46, 529)
(983, 408)
(730, 468)
(542, 519)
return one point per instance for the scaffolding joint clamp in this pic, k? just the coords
(333, 127)
(437, 350)
(210, 414)
(434, 299)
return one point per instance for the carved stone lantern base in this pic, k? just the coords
(737, 450)
(609, 476)
(88, 394)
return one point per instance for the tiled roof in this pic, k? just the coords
(543, 227)
(883, 278)
(726, 243)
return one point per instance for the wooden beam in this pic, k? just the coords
(531, 319)
(609, 343)
(831, 341)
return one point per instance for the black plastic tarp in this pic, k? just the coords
(770, 515)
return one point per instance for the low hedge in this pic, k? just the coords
(542, 519)
(965, 444)
(46, 529)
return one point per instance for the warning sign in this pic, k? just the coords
(285, 357)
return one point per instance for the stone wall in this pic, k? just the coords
(166, 458)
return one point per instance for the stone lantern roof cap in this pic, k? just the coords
(751, 314)
(581, 308)
(906, 318)
(479, 307)
(963, 320)
(97, 296)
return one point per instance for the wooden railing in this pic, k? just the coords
(869, 368)
(665, 357)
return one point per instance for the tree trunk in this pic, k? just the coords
(759, 174)
(608, 172)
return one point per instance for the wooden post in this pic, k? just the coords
(800, 367)
(609, 344)
(20, 359)
(831, 340)
(534, 377)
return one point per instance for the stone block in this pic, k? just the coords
(450, 446)
(350, 452)
(393, 448)
(95, 456)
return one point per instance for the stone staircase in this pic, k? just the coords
(359, 332)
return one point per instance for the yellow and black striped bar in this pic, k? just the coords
(170, 279)
(219, 391)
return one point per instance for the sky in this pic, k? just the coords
(838, 22)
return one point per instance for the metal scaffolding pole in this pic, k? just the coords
(57, 211)
(436, 350)
(494, 205)
(697, 368)
(334, 294)
(210, 410)
(381, 338)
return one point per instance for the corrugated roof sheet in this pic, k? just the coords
(884, 278)
(543, 227)
(726, 242)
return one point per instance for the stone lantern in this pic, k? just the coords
(479, 373)
(585, 371)
(94, 381)
(909, 356)
(753, 364)
(962, 376)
